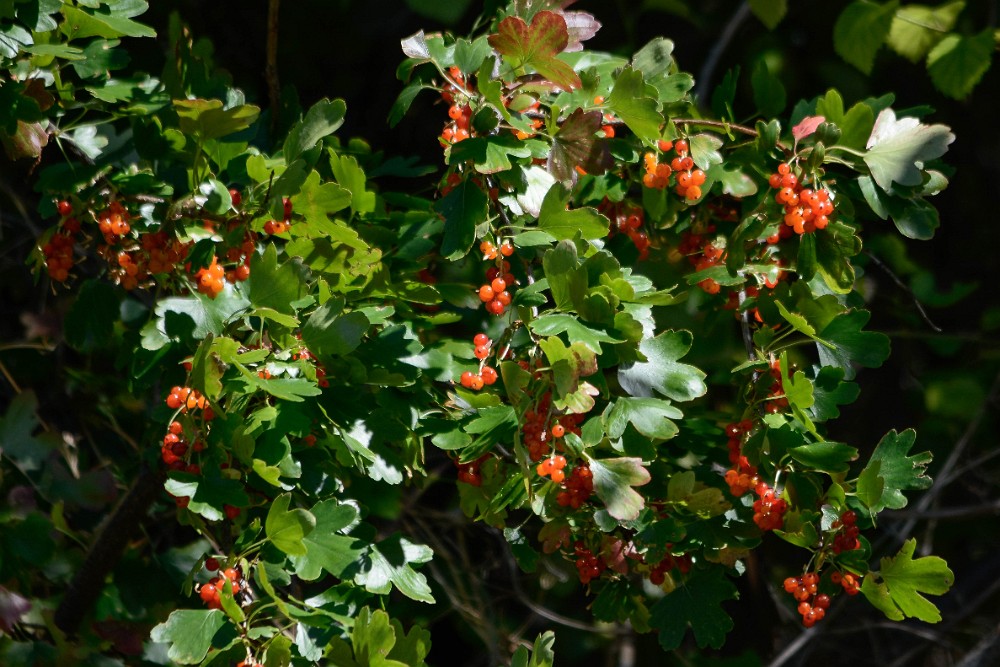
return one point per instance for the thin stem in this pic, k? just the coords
(903, 286)
(718, 48)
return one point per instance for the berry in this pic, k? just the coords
(489, 375)
(64, 207)
(211, 564)
(506, 249)
(481, 339)
(498, 285)
(558, 431)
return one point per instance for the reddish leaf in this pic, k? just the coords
(536, 46)
(581, 26)
(806, 127)
(576, 144)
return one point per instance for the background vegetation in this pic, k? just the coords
(943, 377)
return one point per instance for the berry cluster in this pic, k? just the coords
(851, 583)
(494, 292)
(538, 431)
(186, 398)
(552, 466)
(658, 573)
(627, 220)
(703, 253)
(806, 210)
(588, 566)
(211, 591)
(846, 538)
(280, 226)
(305, 355)
(812, 604)
(175, 448)
(487, 375)
(114, 222)
(687, 179)
(155, 253)
(211, 279)
(577, 488)
(742, 477)
(470, 472)
(459, 114)
(768, 510)
(776, 400)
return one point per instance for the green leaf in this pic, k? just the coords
(17, 440)
(470, 55)
(490, 154)
(276, 286)
(91, 319)
(770, 12)
(351, 176)
(326, 546)
(829, 457)
(536, 46)
(698, 605)
(860, 31)
(871, 486)
(654, 59)
(705, 149)
(768, 91)
(634, 103)
(569, 365)
(330, 332)
(209, 120)
(903, 579)
(562, 224)
(829, 391)
(462, 209)
(552, 324)
(207, 315)
(215, 197)
(322, 119)
(686, 492)
(613, 482)
(650, 416)
(287, 528)
(917, 28)
(189, 633)
(898, 149)
(915, 219)
(80, 23)
(388, 564)
(958, 62)
(851, 345)
(661, 372)
(899, 471)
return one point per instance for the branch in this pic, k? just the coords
(718, 48)
(903, 286)
(106, 550)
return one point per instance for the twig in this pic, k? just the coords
(945, 476)
(903, 286)
(106, 550)
(271, 68)
(718, 48)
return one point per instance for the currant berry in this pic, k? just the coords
(481, 339)
(558, 431)
(211, 564)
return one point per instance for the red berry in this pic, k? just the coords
(64, 207)
(558, 431)
(481, 339)
(211, 564)
(498, 285)
(489, 375)
(287, 205)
